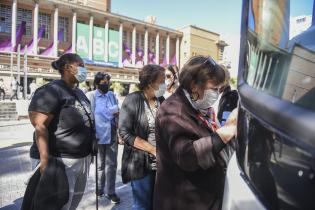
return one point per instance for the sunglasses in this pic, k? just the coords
(210, 61)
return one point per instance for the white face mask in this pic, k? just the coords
(209, 98)
(160, 92)
(168, 82)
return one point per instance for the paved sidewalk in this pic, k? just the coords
(15, 170)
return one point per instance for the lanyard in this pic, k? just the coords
(209, 121)
(146, 101)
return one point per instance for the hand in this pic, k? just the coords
(232, 119)
(153, 151)
(228, 131)
(43, 165)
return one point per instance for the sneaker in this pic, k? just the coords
(100, 194)
(113, 198)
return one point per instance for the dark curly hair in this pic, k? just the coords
(149, 74)
(200, 69)
(68, 58)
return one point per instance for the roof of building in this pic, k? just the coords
(198, 28)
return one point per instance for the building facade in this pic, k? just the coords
(299, 24)
(119, 45)
(198, 41)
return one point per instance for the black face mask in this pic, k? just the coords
(103, 88)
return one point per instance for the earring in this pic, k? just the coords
(194, 96)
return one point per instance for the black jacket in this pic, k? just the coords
(133, 122)
(49, 191)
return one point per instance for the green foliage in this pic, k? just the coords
(133, 88)
(117, 87)
(233, 83)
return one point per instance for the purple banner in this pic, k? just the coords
(49, 50)
(140, 53)
(127, 49)
(69, 50)
(174, 60)
(30, 45)
(151, 56)
(164, 63)
(6, 46)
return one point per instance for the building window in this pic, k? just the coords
(45, 20)
(301, 20)
(25, 15)
(63, 25)
(5, 18)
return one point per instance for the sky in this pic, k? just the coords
(220, 16)
(208, 14)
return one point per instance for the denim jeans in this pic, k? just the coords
(142, 192)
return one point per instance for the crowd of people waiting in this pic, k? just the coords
(175, 150)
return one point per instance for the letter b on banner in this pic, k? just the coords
(98, 43)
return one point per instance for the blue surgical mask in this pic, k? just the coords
(81, 74)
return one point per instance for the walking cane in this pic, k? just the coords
(96, 182)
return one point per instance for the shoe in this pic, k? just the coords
(113, 198)
(100, 194)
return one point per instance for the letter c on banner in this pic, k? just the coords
(113, 49)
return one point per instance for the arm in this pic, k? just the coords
(41, 121)
(188, 153)
(126, 123)
(144, 145)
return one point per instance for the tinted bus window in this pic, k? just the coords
(280, 53)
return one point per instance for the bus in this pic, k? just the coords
(274, 163)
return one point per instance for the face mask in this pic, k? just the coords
(209, 98)
(103, 88)
(169, 83)
(81, 74)
(160, 92)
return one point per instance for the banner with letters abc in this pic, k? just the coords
(82, 47)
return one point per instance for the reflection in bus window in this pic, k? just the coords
(278, 65)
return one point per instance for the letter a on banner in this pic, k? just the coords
(83, 40)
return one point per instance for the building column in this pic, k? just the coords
(55, 45)
(13, 28)
(120, 64)
(168, 49)
(106, 40)
(133, 55)
(35, 33)
(91, 38)
(157, 48)
(146, 37)
(177, 51)
(74, 32)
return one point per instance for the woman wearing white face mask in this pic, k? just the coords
(137, 129)
(171, 82)
(191, 149)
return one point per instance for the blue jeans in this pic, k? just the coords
(142, 192)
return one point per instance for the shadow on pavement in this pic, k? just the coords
(16, 145)
(15, 206)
